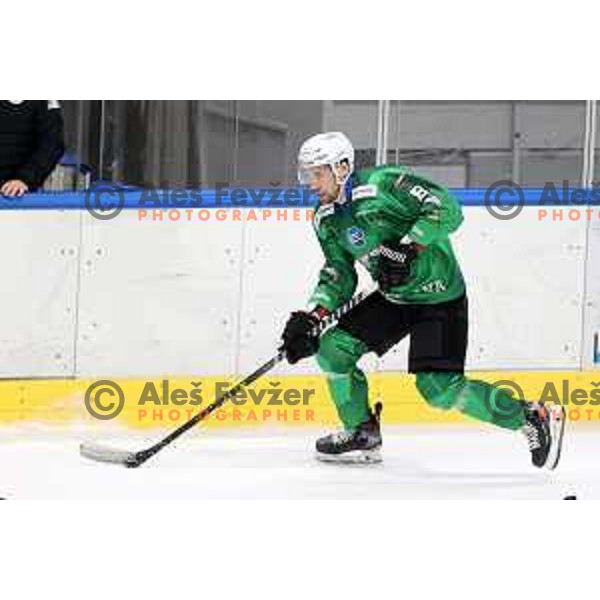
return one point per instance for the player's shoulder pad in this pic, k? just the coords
(375, 182)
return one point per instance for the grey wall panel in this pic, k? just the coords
(302, 118)
(358, 119)
(538, 168)
(261, 155)
(454, 176)
(486, 167)
(184, 142)
(453, 124)
(551, 124)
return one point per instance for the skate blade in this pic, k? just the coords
(558, 418)
(355, 457)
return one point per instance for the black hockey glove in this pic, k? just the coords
(299, 339)
(394, 263)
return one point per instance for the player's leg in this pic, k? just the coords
(480, 400)
(437, 355)
(339, 353)
(372, 326)
(543, 428)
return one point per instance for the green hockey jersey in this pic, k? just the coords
(389, 204)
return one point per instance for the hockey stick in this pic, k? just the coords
(107, 454)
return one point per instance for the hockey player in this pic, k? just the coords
(396, 224)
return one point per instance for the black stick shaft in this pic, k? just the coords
(144, 455)
(204, 413)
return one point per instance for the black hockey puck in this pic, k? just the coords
(570, 497)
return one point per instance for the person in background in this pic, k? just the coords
(31, 144)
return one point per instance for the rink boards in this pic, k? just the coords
(299, 401)
(134, 300)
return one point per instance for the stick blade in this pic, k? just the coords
(106, 454)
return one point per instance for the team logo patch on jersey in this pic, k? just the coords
(364, 191)
(356, 236)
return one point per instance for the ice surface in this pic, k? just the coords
(419, 462)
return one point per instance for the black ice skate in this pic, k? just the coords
(544, 431)
(362, 445)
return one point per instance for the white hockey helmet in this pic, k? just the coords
(331, 148)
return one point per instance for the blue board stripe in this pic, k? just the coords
(273, 198)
